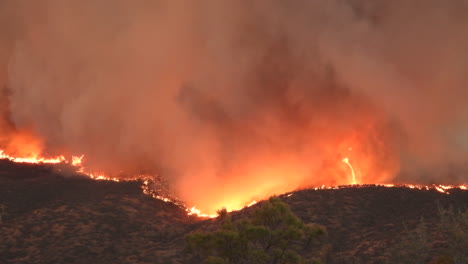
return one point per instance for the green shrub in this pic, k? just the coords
(274, 234)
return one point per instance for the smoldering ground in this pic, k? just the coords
(232, 100)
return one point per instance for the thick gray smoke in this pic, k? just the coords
(232, 100)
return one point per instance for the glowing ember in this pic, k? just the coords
(440, 188)
(353, 181)
(76, 161)
(197, 212)
(102, 177)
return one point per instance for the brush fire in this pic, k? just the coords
(234, 205)
(231, 102)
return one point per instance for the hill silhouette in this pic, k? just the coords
(50, 216)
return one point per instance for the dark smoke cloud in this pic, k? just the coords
(233, 97)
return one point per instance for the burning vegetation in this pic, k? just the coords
(230, 103)
(118, 223)
(156, 188)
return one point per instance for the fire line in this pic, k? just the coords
(76, 161)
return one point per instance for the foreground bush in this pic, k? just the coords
(416, 245)
(454, 229)
(274, 234)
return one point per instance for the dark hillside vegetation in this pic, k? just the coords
(47, 217)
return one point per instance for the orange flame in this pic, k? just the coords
(34, 159)
(199, 213)
(77, 162)
(346, 161)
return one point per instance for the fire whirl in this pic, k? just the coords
(346, 161)
(148, 182)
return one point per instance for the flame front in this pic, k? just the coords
(77, 163)
(234, 205)
(33, 159)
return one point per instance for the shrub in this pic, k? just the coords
(454, 228)
(274, 234)
(414, 247)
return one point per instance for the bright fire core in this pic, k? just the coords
(76, 161)
(353, 175)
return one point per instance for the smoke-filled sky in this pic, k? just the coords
(236, 100)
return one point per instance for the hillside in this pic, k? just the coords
(52, 218)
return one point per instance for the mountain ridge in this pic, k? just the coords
(52, 218)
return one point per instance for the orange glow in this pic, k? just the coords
(24, 147)
(237, 190)
(24, 144)
(197, 212)
(291, 159)
(34, 159)
(252, 203)
(76, 161)
(353, 180)
(437, 187)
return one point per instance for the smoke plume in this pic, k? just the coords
(237, 100)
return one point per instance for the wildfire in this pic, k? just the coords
(195, 211)
(32, 159)
(437, 187)
(77, 163)
(346, 161)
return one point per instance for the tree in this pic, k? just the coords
(273, 234)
